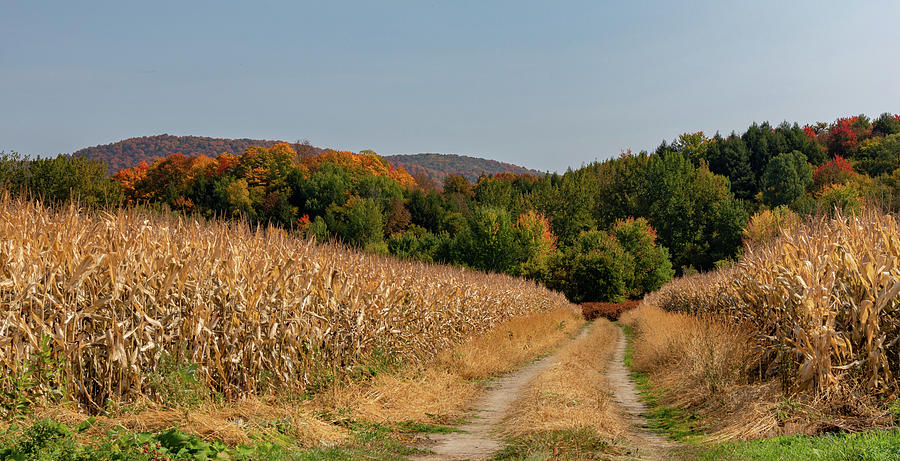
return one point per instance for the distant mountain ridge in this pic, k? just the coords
(129, 152)
(439, 166)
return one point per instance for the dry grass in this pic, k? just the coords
(230, 424)
(441, 392)
(704, 365)
(572, 394)
(258, 312)
(709, 365)
(515, 342)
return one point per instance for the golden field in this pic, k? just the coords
(112, 298)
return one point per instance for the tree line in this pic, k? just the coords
(607, 231)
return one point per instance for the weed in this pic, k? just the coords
(176, 384)
(37, 382)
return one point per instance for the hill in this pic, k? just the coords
(129, 152)
(438, 166)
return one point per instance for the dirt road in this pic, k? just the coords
(478, 440)
(649, 444)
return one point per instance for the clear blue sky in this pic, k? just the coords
(543, 84)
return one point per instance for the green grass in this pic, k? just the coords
(45, 439)
(666, 420)
(868, 446)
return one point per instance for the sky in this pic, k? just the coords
(547, 85)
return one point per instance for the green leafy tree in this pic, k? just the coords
(886, 124)
(237, 195)
(13, 171)
(426, 209)
(568, 201)
(694, 146)
(879, 156)
(329, 185)
(594, 268)
(489, 242)
(63, 178)
(786, 178)
(757, 139)
(731, 158)
(693, 211)
(651, 266)
(358, 222)
(495, 192)
(416, 243)
(798, 139)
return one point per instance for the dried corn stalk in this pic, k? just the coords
(257, 310)
(823, 297)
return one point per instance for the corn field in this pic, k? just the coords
(822, 297)
(108, 295)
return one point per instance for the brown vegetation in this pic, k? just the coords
(232, 424)
(111, 298)
(704, 365)
(435, 394)
(822, 300)
(440, 392)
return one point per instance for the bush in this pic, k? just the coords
(610, 266)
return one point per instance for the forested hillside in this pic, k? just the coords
(438, 166)
(130, 152)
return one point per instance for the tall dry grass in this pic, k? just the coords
(704, 364)
(821, 298)
(255, 310)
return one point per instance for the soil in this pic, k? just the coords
(649, 444)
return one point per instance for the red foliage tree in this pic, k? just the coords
(835, 171)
